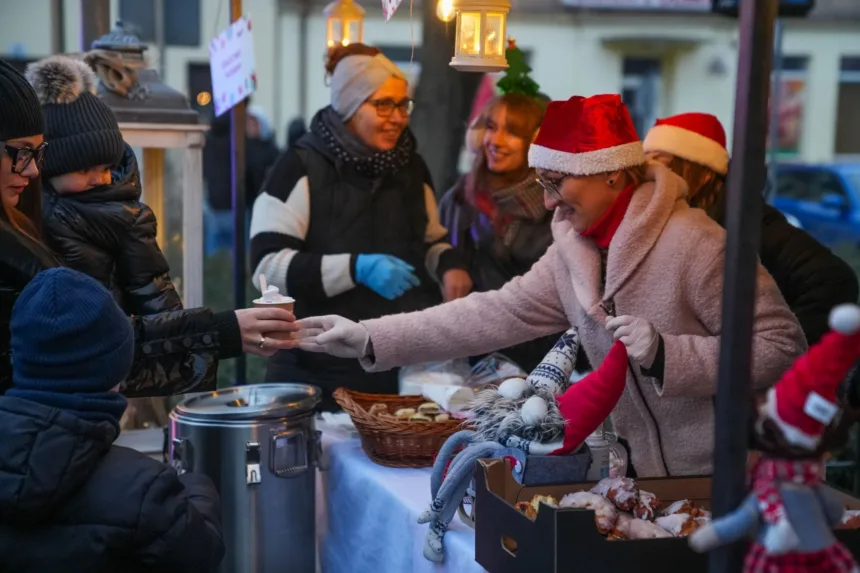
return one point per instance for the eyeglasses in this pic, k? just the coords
(23, 156)
(552, 186)
(386, 106)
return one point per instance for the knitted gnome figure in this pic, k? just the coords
(496, 410)
(532, 420)
(789, 508)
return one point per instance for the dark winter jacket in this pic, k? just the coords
(472, 234)
(108, 234)
(72, 503)
(260, 155)
(810, 277)
(314, 216)
(176, 352)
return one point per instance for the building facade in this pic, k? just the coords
(662, 58)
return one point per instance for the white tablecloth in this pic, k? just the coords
(367, 517)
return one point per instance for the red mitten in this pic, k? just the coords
(586, 404)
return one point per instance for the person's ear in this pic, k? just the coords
(613, 178)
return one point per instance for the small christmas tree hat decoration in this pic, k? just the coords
(517, 78)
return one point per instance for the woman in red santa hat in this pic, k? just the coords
(631, 261)
(811, 278)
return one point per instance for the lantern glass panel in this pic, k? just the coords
(470, 33)
(494, 44)
(351, 33)
(335, 32)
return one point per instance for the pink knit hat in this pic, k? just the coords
(696, 137)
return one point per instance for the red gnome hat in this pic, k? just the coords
(587, 403)
(696, 137)
(803, 402)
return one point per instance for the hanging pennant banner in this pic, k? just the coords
(231, 63)
(389, 7)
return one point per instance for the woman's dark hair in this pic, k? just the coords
(711, 183)
(26, 218)
(337, 53)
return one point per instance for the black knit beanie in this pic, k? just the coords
(20, 114)
(80, 129)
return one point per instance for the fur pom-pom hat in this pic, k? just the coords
(81, 130)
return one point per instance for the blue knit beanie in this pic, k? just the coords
(71, 344)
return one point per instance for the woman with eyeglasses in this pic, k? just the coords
(175, 351)
(347, 223)
(630, 262)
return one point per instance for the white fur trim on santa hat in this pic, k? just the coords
(688, 145)
(588, 163)
(789, 432)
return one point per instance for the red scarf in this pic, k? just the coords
(769, 473)
(604, 229)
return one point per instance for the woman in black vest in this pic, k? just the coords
(347, 224)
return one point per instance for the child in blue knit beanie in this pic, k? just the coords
(70, 500)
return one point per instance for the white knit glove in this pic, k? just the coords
(638, 335)
(333, 335)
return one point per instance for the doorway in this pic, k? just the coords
(641, 91)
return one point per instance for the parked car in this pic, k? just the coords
(824, 200)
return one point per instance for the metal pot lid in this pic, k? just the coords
(253, 402)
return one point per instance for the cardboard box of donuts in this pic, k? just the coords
(617, 524)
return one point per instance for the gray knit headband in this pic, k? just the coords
(356, 78)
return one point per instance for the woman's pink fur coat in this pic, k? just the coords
(665, 264)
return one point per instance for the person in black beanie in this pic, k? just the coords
(92, 214)
(69, 500)
(176, 352)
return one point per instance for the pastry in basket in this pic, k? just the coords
(429, 409)
(442, 417)
(678, 524)
(420, 418)
(616, 535)
(646, 506)
(623, 492)
(605, 513)
(634, 528)
(405, 413)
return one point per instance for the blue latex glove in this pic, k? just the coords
(387, 276)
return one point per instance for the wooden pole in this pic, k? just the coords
(237, 147)
(744, 204)
(95, 21)
(58, 27)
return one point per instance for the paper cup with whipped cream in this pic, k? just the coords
(272, 297)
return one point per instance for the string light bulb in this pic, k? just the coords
(445, 10)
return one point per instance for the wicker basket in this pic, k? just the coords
(392, 442)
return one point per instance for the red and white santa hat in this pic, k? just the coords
(696, 137)
(586, 136)
(803, 402)
(585, 405)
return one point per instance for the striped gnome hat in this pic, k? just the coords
(803, 402)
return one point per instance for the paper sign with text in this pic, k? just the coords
(231, 61)
(389, 7)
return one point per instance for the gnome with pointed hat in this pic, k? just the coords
(789, 508)
(542, 415)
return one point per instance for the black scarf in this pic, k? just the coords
(347, 147)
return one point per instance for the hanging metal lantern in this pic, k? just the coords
(481, 34)
(344, 23)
